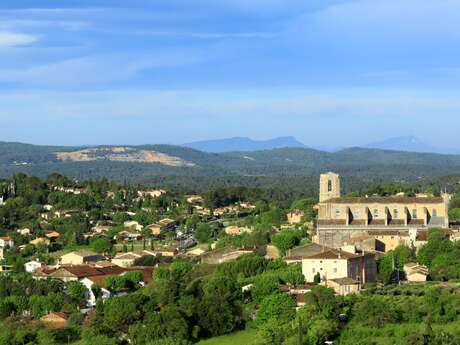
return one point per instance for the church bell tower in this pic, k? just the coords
(329, 186)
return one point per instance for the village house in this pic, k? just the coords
(168, 223)
(336, 263)
(294, 217)
(33, 265)
(415, 272)
(155, 229)
(43, 272)
(154, 193)
(75, 273)
(167, 251)
(192, 199)
(24, 232)
(52, 235)
(344, 286)
(132, 224)
(237, 230)
(40, 240)
(6, 242)
(129, 236)
(80, 257)
(203, 211)
(226, 209)
(247, 205)
(125, 259)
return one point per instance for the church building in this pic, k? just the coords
(340, 219)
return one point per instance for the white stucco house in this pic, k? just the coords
(31, 266)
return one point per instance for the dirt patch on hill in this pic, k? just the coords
(122, 154)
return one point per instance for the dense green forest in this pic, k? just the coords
(285, 169)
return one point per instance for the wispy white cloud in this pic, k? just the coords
(12, 39)
(202, 35)
(86, 71)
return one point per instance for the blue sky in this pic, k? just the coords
(331, 73)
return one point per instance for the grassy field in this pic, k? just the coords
(248, 337)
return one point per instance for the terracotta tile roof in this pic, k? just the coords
(334, 254)
(101, 264)
(43, 271)
(80, 271)
(385, 200)
(344, 281)
(112, 270)
(100, 280)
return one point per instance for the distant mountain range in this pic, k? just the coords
(410, 144)
(243, 144)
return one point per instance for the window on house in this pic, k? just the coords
(337, 213)
(434, 213)
(335, 270)
(414, 213)
(376, 213)
(356, 213)
(329, 186)
(395, 213)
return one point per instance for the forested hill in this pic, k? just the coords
(175, 165)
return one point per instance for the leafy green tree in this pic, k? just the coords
(203, 233)
(437, 244)
(101, 245)
(77, 293)
(285, 240)
(374, 312)
(264, 285)
(279, 306)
